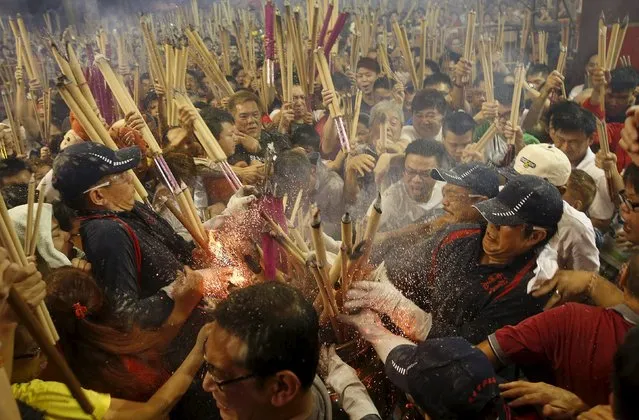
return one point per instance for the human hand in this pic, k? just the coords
(198, 349)
(490, 110)
(45, 153)
(606, 161)
(188, 286)
(134, 120)
(308, 118)
(159, 90)
(249, 143)
(334, 371)
(630, 134)
(554, 81)
(81, 264)
(463, 72)
(186, 118)
(27, 281)
(567, 286)
(360, 164)
(398, 93)
(598, 77)
(383, 298)
(252, 174)
(600, 412)
(556, 403)
(471, 154)
(327, 97)
(382, 167)
(287, 116)
(367, 323)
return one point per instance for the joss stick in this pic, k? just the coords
(299, 240)
(12, 243)
(514, 110)
(327, 17)
(470, 35)
(354, 50)
(34, 234)
(196, 13)
(194, 216)
(46, 100)
(602, 132)
(561, 62)
(26, 44)
(383, 138)
(347, 232)
(31, 98)
(29, 224)
(136, 84)
(486, 68)
(402, 41)
(296, 206)
(315, 270)
(15, 133)
(618, 44)
(422, 50)
(337, 29)
(356, 111)
(327, 82)
(374, 219)
(155, 65)
(601, 44)
(78, 74)
(483, 141)
(313, 43)
(525, 32)
(20, 49)
(318, 239)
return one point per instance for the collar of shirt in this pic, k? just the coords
(587, 161)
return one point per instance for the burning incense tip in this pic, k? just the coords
(378, 203)
(346, 218)
(317, 220)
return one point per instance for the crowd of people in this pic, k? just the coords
(466, 250)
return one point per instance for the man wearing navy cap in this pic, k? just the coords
(470, 279)
(134, 253)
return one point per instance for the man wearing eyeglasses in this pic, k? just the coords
(469, 280)
(261, 358)
(416, 197)
(135, 254)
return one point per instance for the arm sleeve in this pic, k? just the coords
(55, 400)
(110, 250)
(532, 341)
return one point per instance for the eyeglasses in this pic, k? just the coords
(633, 207)
(115, 179)
(410, 173)
(210, 369)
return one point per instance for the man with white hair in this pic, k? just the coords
(575, 238)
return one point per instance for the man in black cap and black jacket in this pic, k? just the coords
(135, 255)
(471, 279)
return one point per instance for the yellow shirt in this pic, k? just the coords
(56, 402)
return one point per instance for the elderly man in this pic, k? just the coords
(429, 108)
(135, 255)
(469, 279)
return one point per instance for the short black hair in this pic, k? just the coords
(631, 176)
(150, 97)
(437, 78)
(458, 122)
(341, 82)
(429, 98)
(369, 64)
(569, 116)
(427, 148)
(432, 65)
(64, 215)
(625, 376)
(12, 166)
(306, 136)
(538, 68)
(383, 83)
(623, 79)
(214, 118)
(280, 329)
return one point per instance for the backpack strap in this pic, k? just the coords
(134, 238)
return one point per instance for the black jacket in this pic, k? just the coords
(133, 256)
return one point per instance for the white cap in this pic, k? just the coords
(545, 161)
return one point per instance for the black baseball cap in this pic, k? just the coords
(477, 177)
(526, 199)
(80, 166)
(446, 377)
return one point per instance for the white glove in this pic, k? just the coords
(240, 201)
(343, 379)
(384, 298)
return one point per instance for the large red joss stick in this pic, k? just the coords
(269, 16)
(327, 19)
(337, 29)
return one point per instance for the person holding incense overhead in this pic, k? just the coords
(616, 96)
(365, 75)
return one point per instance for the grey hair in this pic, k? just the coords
(386, 108)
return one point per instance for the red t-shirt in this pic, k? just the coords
(575, 342)
(614, 136)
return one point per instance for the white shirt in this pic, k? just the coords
(602, 207)
(399, 209)
(575, 241)
(409, 134)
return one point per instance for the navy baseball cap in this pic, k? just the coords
(80, 166)
(477, 177)
(446, 377)
(526, 199)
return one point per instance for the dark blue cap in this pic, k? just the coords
(477, 177)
